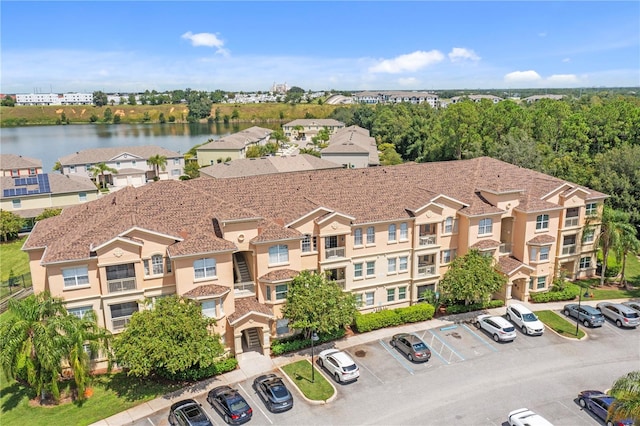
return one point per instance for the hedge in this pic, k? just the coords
(568, 293)
(459, 309)
(196, 373)
(297, 342)
(393, 317)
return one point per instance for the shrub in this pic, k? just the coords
(568, 293)
(298, 342)
(390, 318)
(416, 313)
(196, 373)
(459, 309)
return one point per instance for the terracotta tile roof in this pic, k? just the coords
(542, 239)
(104, 155)
(508, 265)
(273, 232)
(203, 291)
(486, 244)
(248, 305)
(12, 161)
(266, 165)
(279, 275)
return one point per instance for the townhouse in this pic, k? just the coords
(18, 166)
(384, 97)
(54, 98)
(233, 146)
(266, 165)
(386, 234)
(352, 147)
(306, 128)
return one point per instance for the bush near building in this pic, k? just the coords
(393, 317)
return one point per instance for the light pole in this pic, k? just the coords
(578, 316)
(314, 338)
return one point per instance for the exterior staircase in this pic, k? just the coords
(241, 268)
(253, 339)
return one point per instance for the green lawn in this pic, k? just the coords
(12, 258)
(300, 373)
(559, 324)
(113, 393)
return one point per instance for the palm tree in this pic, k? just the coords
(99, 170)
(278, 136)
(629, 244)
(32, 346)
(158, 162)
(611, 231)
(626, 391)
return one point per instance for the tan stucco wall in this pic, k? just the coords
(205, 157)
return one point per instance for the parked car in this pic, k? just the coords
(587, 315)
(622, 315)
(339, 365)
(273, 393)
(230, 405)
(498, 327)
(526, 417)
(188, 412)
(526, 320)
(411, 346)
(633, 305)
(598, 403)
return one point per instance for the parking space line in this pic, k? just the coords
(394, 353)
(369, 370)
(453, 351)
(255, 404)
(433, 351)
(478, 337)
(152, 424)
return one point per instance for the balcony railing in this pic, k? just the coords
(246, 287)
(342, 283)
(426, 270)
(427, 240)
(505, 248)
(334, 252)
(124, 284)
(120, 323)
(571, 222)
(569, 250)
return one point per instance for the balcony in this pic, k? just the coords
(120, 323)
(246, 288)
(426, 270)
(334, 252)
(427, 240)
(571, 222)
(122, 284)
(567, 250)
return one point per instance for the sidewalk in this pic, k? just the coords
(251, 364)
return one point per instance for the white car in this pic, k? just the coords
(526, 417)
(499, 328)
(526, 320)
(339, 365)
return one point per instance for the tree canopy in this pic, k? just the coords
(626, 391)
(172, 336)
(10, 225)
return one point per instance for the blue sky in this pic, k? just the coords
(124, 46)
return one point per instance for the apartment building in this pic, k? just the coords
(54, 98)
(18, 166)
(130, 163)
(352, 147)
(233, 146)
(385, 97)
(386, 234)
(306, 128)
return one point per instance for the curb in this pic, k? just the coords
(312, 401)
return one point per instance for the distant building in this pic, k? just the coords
(306, 128)
(279, 88)
(266, 165)
(232, 147)
(384, 97)
(476, 98)
(18, 166)
(352, 147)
(536, 98)
(54, 99)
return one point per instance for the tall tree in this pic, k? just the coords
(278, 137)
(628, 245)
(10, 225)
(314, 303)
(99, 98)
(471, 278)
(157, 162)
(626, 391)
(99, 170)
(614, 225)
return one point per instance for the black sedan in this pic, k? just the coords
(598, 403)
(230, 405)
(188, 413)
(273, 392)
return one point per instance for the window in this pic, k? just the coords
(308, 243)
(212, 308)
(117, 164)
(391, 294)
(371, 235)
(32, 171)
(404, 263)
(176, 161)
(588, 236)
(402, 293)
(571, 218)
(448, 256)
(279, 254)
(357, 270)
(371, 267)
(404, 231)
(542, 282)
(72, 169)
(591, 209)
(282, 326)
(133, 163)
(168, 264)
(120, 272)
(544, 253)
(16, 204)
(392, 232)
(331, 242)
(82, 196)
(80, 312)
(157, 265)
(391, 265)
(175, 172)
(569, 244)
(485, 226)
(75, 277)
(542, 222)
(357, 237)
(281, 291)
(585, 262)
(358, 299)
(450, 225)
(204, 268)
(369, 298)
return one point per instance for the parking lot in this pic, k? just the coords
(470, 379)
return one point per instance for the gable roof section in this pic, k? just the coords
(104, 155)
(266, 165)
(12, 161)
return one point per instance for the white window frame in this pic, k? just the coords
(541, 282)
(278, 254)
(358, 272)
(391, 234)
(591, 209)
(544, 253)
(391, 295)
(357, 237)
(16, 204)
(281, 294)
(402, 293)
(80, 311)
(205, 268)
(371, 235)
(542, 222)
(306, 243)
(214, 308)
(447, 256)
(588, 236)
(157, 264)
(392, 265)
(485, 226)
(369, 298)
(404, 231)
(79, 275)
(403, 263)
(371, 266)
(585, 263)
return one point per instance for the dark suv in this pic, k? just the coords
(188, 413)
(587, 315)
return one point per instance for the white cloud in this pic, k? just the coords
(207, 40)
(566, 60)
(522, 76)
(408, 82)
(408, 63)
(458, 54)
(563, 79)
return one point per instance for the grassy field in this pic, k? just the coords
(49, 115)
(12, 259)
(300, 373)
(559, 324)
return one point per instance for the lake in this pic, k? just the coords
(49, 143)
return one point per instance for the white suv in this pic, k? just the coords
(339, 365)
(526, 320)
(499, 328)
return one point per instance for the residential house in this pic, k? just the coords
(352, 147)
(130, 162)
(476, 98)
(233, 146)
(19, 166)
(266, 165)
(384, 97)
(385, 234)
(306, 128)
(536, 98)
